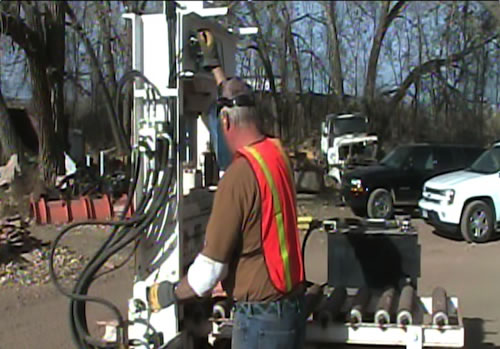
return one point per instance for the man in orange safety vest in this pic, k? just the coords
(252, 244)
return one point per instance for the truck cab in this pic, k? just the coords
(397, 180)
(466, 202)
(345, 142)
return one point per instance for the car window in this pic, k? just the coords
(421, 158)
(471, 155)
(446, 158)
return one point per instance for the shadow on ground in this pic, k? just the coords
(458, 237)
(448, 236)
(14, 253)
(475, 334)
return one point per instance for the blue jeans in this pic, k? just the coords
(271, 325)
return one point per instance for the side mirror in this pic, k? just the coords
(324, 130)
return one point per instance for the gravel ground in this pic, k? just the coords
(37, 314)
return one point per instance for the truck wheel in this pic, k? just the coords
(380, 204)
(477, 223)
(359, 211)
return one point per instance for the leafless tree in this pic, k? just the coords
(387, 16)
(38, 28)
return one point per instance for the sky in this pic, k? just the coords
(356, 30)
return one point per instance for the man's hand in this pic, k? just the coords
(209, 48)
(161, 295)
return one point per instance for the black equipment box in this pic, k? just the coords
(372, 253)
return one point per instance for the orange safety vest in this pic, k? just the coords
(279, 231)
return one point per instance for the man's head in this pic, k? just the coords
(238, 114)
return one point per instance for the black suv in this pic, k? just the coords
(397, 180)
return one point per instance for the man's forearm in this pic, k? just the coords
(219, 75)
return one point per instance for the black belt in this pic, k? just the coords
(270, 307)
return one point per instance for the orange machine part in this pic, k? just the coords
(39, 210)
(58, 212)
(102, 208)
(119, 205)
(80, 210)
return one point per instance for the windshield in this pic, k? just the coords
(396, 158)
(356, 124)
(488, 162)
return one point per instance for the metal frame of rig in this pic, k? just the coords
(373, 303)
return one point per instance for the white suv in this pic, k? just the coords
(466, 201)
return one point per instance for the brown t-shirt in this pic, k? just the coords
(233, 235)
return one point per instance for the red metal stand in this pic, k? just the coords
(80, 210)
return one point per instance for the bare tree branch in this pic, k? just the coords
(118, 134)
(386, 19)
(432, 66)
(20, 33)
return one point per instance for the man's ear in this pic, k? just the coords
(225, 120)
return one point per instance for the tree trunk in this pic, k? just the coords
(10, 141)
(118, 136)
(46, 96)
(263, 52)
(386, 18)
(104, 9)
(299, 111)
(334, 50)
(56, 48)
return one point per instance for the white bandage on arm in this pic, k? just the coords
(204, 274)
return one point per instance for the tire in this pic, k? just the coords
(359, 211)
(477, 222)
(380, 204)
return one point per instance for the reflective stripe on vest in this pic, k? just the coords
(280, 242)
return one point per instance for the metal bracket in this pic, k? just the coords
(415, 337)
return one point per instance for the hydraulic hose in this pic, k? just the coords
(83, 284)
(149, 211)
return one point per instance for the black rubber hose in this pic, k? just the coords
(56, 241)
(124, 233)
(131, 192)
(82, 287)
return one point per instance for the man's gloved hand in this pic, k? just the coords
(161, 295)
(209, 48)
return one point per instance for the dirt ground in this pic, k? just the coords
(36, 317)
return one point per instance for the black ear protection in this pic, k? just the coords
(245, 100)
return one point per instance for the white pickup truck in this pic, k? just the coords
(468, 201)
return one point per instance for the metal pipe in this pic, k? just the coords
(314, 296)
(405, 306)
(101, 163)
(439, 307)
(332, 306)
(384, 307)
(359, 304)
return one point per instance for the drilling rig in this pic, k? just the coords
(373, 265)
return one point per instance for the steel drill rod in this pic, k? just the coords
(359, 304)
(405, 306)
(314, 296)
(333, 305)
(384, 306)
(222, 309)
(439, 307)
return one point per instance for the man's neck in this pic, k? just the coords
(250, 138)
